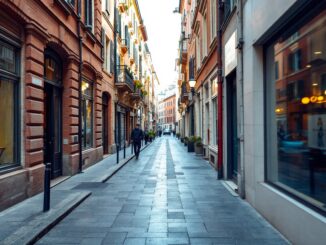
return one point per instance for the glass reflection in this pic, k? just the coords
(299, 105)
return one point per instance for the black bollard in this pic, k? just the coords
(118, 149)
(132, 148)
(124, 150)
(47, 178)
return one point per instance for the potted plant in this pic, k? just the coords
(182, 139)
(185, 140)
(178, 135)
(199, 146)
(191, 144)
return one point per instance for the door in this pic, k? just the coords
(53, 112)
(105, 129)
(53, 130)
(232, 128)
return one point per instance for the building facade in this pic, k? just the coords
(135, 73)
(167, 113)
(67, 79)
(40, 78)
(269, 91)
(197, 63)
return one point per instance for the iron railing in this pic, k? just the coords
(125, 76)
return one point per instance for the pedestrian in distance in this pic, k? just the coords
(137, 136)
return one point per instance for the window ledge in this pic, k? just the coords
(66, 7)
(90, 35)
(10, 170)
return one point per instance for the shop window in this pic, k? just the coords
(296, 119)
(87, 114)
(9, 105)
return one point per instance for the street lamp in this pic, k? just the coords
(192, 83)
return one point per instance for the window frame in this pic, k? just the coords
(291, 25)
(84, 117)
(14, 77)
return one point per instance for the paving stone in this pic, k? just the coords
(168, 196)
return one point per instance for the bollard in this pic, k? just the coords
(124, 150)
(132, 148)
(47, 178)
(118, 149)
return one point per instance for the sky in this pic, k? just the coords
(163, 29)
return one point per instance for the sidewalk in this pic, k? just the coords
(25, 222)
(166, 197)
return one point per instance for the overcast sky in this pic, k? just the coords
(163, 29)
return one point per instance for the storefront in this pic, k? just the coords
(284, 67)
(296, 111)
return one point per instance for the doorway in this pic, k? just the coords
(105, 130)
(53, 113)
(233, 144)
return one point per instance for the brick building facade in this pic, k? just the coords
(39, 72)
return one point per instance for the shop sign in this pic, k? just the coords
(230, 54)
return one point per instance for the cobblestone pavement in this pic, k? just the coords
(168, 196)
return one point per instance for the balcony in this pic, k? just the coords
(125, 81)
(184, 93)
(122, 6)
(123, 46)
(136, 94)
(183, 51)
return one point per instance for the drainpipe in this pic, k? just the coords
(115, 79)
(220, 92)
(80, 67)
(241, 101)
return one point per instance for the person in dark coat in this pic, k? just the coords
(137, 136)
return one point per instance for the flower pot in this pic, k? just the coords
(182, 140)
(191, 146)
(199, 149)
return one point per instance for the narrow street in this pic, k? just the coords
(168, 196)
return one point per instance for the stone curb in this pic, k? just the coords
(41, 223)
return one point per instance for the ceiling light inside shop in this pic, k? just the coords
(318, 52)
(308, 66)
(305, 100)
(315, 84)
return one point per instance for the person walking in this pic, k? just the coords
(136, 136)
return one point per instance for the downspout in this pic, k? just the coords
(220, 92)
(80, 67)
(241, 100)
(115, 78)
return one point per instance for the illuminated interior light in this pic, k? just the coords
(320, 98)
(305, 100)
(318, 52)
(308, 66)
(313, 99)
(315, 84)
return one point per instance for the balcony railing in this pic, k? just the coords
(125, 78)
(136, 94)
(184, 92)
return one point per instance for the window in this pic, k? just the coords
(296, 112)
(89, 10)
(214, 136)
(213, 21)
(204, 37)
(9, 106)
(107, 6)
(228, 7)
(107, 55)
(294, 61)
(71, 2)
(87, 114)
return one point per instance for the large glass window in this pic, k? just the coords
(296, 112)
(8, 106)
(87, 114)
